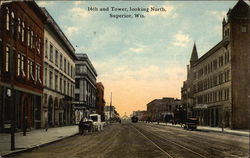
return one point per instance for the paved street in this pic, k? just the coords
(145, 140)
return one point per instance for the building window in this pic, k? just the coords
(243, 29)
(37, 73)
(56, 82)
(51, 53)
(65, 65)
(7, 57)
(28, 36)
(56, 58)
(19, 29)
(31, 71)
(23, 27)
(77, 83)
(7, 19)
(38, 45)
(45, 76)
(60, 85)
(50, 79)
(46, 48)
(61, 61)
(77, 97)
(22, 65)
(215, 64)
(28, 69)
(32, 39)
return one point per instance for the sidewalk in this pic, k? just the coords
(34, 138)
(212, 129)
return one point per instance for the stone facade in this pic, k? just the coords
(59, 76)
(216, 88)
(85, 88)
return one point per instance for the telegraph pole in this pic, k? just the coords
(110, 108)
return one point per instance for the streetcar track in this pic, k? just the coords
(166, 153)
(210, 139)
(196, 153)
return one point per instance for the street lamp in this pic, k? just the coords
(12, 74)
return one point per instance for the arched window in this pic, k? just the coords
(12, 22)
(7, 19)
(23, 27)
(18, 28)
(39, 45)
(32, 39)
(28, 36)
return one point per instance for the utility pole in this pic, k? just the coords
(12, 75)
(110, 108)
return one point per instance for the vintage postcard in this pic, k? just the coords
(124, 79)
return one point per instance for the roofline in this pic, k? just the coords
(211, 51)
(50, 22)
(88, 61)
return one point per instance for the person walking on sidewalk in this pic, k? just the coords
(46, 126)
(25, 124)
(80, 126)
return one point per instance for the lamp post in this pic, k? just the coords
(12, 74)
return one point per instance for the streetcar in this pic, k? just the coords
(134, 119)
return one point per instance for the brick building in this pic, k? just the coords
(100, 102)
(216, 90)
(159, 108)
(21, 33)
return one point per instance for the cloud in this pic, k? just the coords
(79, 12)
(44, 3)
(181, 40)
(78, 3)
(169, 11)
(71, 30)
(218, 14)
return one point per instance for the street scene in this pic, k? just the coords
(145, 140)
(129, 79)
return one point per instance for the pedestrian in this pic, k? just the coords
(25, 124)
(80, 126)
(46, 126)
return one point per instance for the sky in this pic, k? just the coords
(140, 59)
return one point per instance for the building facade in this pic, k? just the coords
(109, 112)
(59, 75)
(216, 90)
(100, 102)
(85, 87)
(159, 108)
(21, 47)
(141, 114)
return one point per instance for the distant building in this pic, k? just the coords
(142, 115)
(159, 108)
(217, 86)
(100, 102)
(21, 32)
(109, 112)
(85, 87)
(59, 75)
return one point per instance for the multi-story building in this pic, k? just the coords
(109, 112)
(85, 87)
(21, 60)
(59, 76)
(159, 108)
(141, 114)
(100, 102)
(216, 90)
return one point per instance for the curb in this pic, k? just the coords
(211, 130)
(36, 147)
